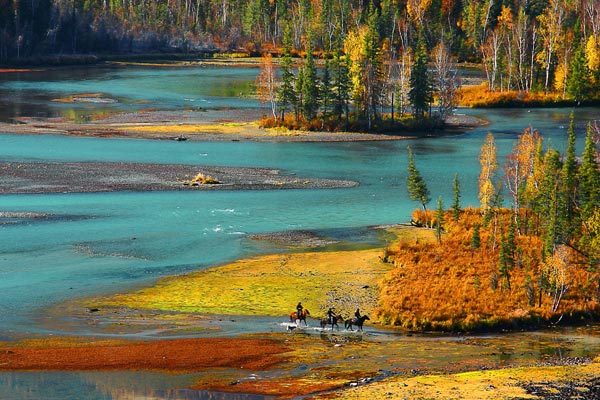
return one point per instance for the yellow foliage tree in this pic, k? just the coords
(592, 53)
(489, 165)
(355, 51)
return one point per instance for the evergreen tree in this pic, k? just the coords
(373, 73)
(567, 223)
(439, 219)
(589, 178)
(310, 88)
(341, 84)
(420, 81)
(326, 90)
(456, 198)
(578, 82)
(476, 238)
(299, 105)
(511, 246)
(286, 95)
(503, 262)
(417, 188)
(549, 208)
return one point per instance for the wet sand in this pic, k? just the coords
(19, 177)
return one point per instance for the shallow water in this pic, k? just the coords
(111, 242)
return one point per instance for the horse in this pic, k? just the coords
(294, 316)
(334, 322)
(359, 322)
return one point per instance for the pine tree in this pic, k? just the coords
(417, 188)
(567, 223)
(326, 90)
(286, 95)
(420, 81)
(310, 89)
(511, 246)
(439, 219)
(341, 84)
(578, 82)
(299, 105)
(503, 262)
(549, 208)
(476, 238)
(456, 198)
(373, 73)
(589, 178)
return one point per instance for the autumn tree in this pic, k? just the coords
(487, 159)
(266, 84)
(446, 82)
(417, 188)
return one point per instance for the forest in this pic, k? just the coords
(523, 45)
(532, 261)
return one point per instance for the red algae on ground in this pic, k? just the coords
(182, 355)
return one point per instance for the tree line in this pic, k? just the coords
(540, 45)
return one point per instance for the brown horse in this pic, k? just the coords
(334, 322)
(359, 322)
(294, 316)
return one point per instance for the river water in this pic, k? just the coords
(102, 243)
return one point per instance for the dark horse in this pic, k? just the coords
(359, 322)
(333, 322)
(294, 316)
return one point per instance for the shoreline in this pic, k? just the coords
(88, 177)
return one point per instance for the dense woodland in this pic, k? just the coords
(550, 45)
(530, 254)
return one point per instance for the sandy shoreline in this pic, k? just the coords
(34, 178)
(209, 125)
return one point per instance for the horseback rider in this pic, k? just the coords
(357, 315)
(331, 315)
(299, 310)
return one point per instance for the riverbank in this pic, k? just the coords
(45, 177)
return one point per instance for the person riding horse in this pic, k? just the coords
(299, 310)
(357, 315)
(331, 315)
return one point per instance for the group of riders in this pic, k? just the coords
(331, 315)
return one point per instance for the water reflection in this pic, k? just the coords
(106, 386)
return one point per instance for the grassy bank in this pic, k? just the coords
(274, 284)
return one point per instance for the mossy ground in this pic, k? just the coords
(269, 285)
(477, 385)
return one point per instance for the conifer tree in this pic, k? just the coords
(439, 219)
(456, 198)
(503, 262)
(589, 178)
(299, 105)
(549, 208)
(341, 84)
(310, 88)
(326, 90)
(373, 73)
(476, 238)
(567, 223)
(286, 95)
(578, 82)
(420, 81)
(417, 188)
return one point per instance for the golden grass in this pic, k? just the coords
(479, 385)
(221, 128)
(269, 285)
(479, 96)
